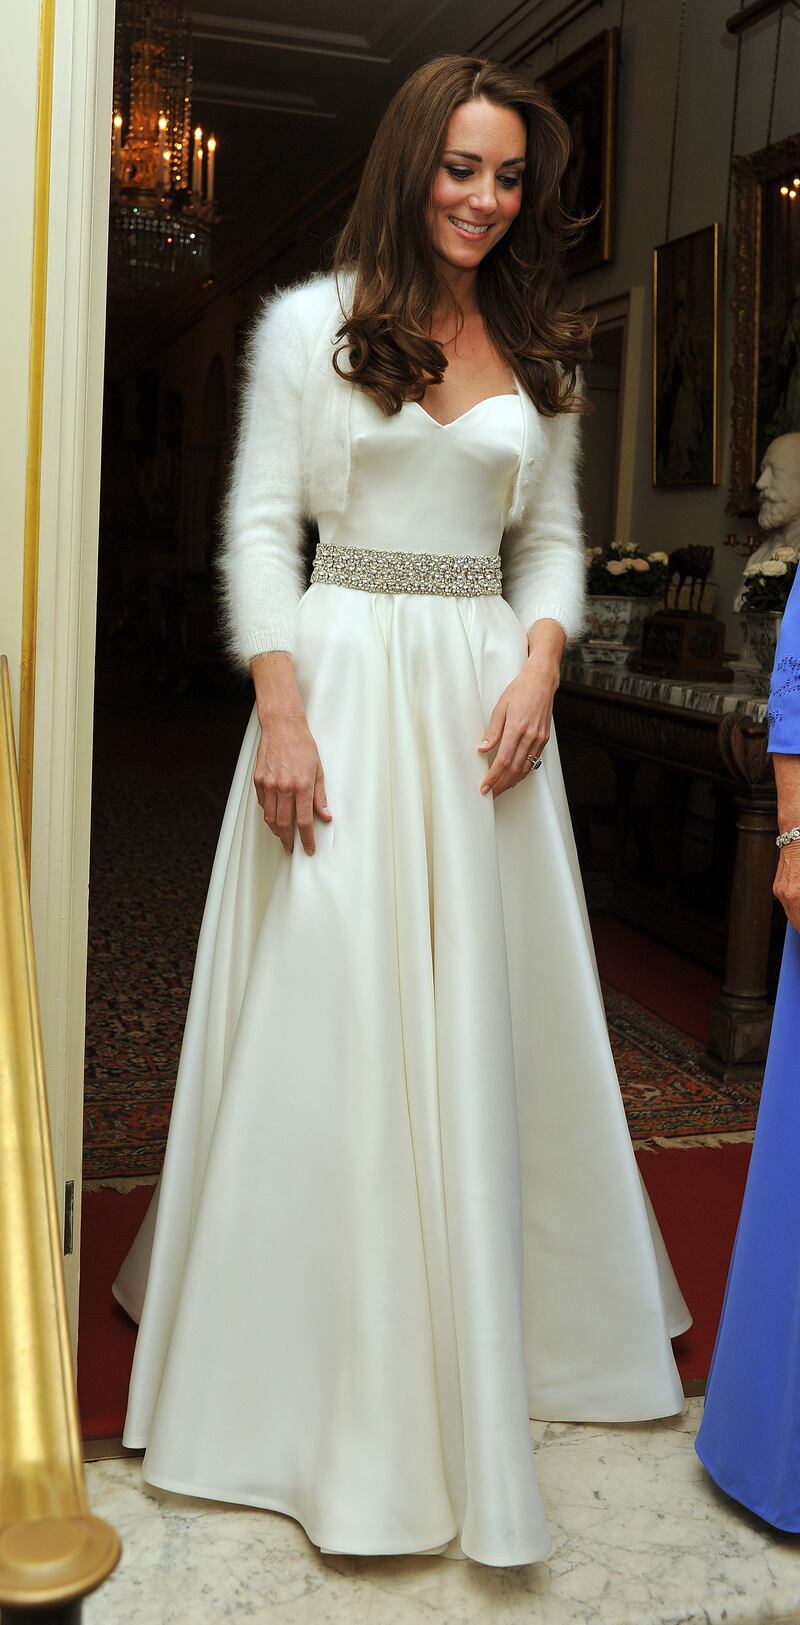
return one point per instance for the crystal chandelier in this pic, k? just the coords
(162, 176)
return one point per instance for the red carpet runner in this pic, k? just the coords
(696, 1194)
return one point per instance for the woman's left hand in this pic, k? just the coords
(787, 883)
(520, 724)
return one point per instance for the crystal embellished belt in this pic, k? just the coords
(454, 575)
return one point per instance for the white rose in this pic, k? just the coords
(773, 567)
(658, 558)
(751, 570)
(785, 552)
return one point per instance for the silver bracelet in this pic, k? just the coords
(788, 837)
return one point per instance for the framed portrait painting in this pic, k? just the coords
(766, 310)
(584, 90)
(686, 359)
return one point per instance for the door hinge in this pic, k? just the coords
(69, 1214)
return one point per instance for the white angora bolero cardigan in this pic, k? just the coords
(292, 462)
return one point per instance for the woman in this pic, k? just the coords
(399, 1209)
(749, 1438)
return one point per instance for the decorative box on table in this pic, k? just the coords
(685, 640)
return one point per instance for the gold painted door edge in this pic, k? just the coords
(33, 464)
(52, 1550)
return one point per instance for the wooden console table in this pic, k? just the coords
(720, 735)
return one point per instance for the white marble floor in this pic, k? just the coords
(640, 1537)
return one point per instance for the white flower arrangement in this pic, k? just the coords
(623, 572)
(768, 581)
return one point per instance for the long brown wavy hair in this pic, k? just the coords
(386, 245)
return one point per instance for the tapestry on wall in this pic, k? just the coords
(685, 359)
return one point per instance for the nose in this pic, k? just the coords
(763, 480)
(483, 199)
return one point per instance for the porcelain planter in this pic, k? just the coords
(762, 629)
(615, 623)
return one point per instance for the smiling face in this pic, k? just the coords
(477, 192)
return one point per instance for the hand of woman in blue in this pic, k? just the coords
(787, 883)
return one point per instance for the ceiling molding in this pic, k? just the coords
(264, 101)
(281, 37)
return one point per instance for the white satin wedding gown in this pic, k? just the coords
(399, 1210)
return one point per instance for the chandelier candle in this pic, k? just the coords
(211, 150)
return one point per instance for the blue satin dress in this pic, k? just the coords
(749, 1439)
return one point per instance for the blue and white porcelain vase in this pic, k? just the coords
(614, 623)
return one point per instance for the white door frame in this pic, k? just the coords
(625, 311)
(67, 566)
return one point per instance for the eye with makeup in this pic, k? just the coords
(508, 182)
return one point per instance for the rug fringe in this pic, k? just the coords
(690, 1142)
(121, 1183)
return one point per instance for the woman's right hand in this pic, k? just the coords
(288, 776)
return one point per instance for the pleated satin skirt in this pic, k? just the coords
(399, 1211)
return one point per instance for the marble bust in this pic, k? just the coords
(778, 487)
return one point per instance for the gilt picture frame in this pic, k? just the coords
(765, 301)
(685, 427)
(584, 89)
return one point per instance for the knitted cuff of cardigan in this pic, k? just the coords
(559, 598)
(276, 636)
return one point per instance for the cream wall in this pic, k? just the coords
(661, 519)
(18, 82)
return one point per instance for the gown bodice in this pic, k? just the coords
(419, 486)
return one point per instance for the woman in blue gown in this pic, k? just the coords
(749, 1439)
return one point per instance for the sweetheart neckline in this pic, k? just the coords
(505, 395)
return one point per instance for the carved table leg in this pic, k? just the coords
(742, 1018)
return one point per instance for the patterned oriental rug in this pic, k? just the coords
(668, 1092)
(153, 840)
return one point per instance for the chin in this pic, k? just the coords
(465, 257)
(771, 515)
